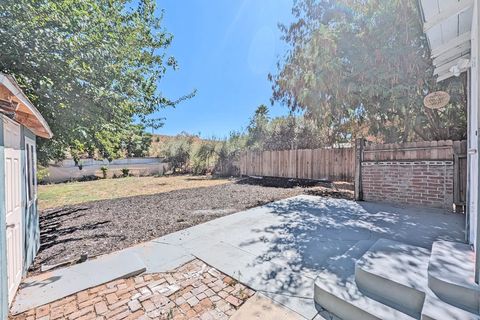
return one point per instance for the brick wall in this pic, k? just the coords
(424, 183)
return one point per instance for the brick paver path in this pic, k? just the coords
(192, 291)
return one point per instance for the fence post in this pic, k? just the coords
(456, 176)
(359, 145)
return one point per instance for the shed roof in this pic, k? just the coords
(448, 24)
(16, 103)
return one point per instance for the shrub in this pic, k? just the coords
(206, 154)
(125, 172)
(199, 167)
(104, 171)
(89, 177)
(177, 152)
(42, 174)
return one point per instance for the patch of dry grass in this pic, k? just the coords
(57, 195)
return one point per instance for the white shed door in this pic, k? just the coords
(13, 195)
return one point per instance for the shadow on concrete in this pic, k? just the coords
(313, 232)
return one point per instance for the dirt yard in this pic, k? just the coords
(100, 227)
(62, 194)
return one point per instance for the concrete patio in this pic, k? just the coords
(277, 249)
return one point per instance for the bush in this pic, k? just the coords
(89, 177)
(190, 154)
(177, 152)
(104, 171)
(205, 156)
(42, 174)
(125, 172)
(199, 167)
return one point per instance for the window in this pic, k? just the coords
(29, 173)
(31, 169)
(34, 169)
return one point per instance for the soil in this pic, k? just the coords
(101, 227)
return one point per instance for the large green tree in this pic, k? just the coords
(362, 68)
(91, 67)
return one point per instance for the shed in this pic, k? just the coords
(20, 124)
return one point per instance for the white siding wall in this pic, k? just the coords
(474, 121)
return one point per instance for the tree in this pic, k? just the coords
(89, 66)
(136, 141)
(362, 68)
(257, 127)
(177, 151)
(206, 151)
(229, 152)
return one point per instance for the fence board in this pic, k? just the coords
(424, 150)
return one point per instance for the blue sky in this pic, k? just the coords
(225, 50)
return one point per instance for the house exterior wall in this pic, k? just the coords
(3, 249)
(475, 104)
(423, 183)
(473, 127)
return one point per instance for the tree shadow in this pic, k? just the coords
(309, 233)
(50, 237)
(52, 214)
(62, 228)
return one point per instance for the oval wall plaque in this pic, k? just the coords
(436, 100)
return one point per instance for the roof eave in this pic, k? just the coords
(11, 84)
(451, 56)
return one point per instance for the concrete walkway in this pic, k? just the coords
(278, 249)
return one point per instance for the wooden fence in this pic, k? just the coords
(344, 164)
(320, 164)
(423, 150)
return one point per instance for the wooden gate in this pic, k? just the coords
(460, 174)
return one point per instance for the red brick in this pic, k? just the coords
(234, 301)
(101, 308)
(42, 311)
(80, 313)
(111, 298)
